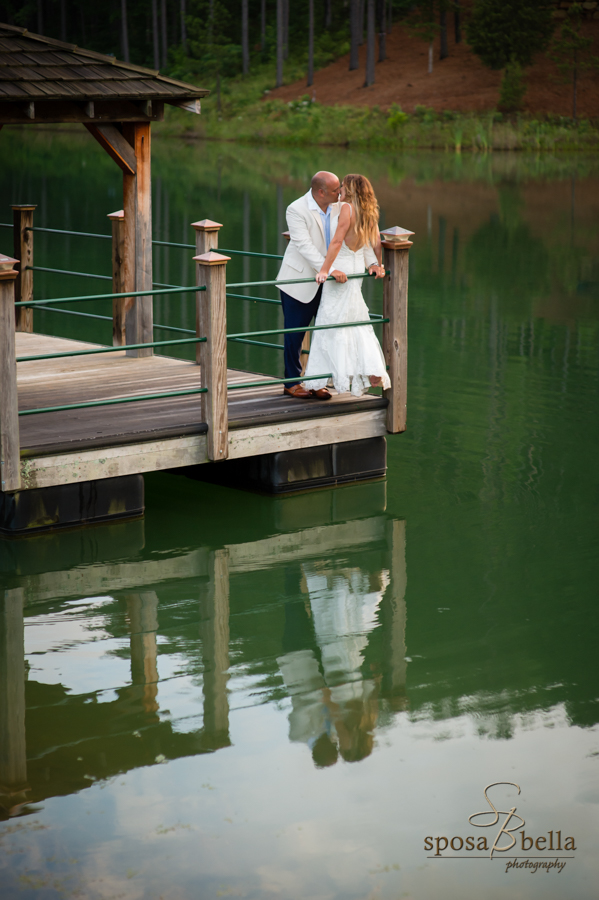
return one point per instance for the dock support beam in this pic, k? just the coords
(211, 323)
(9, 409)
(23, 251)
(395, 331)
(122, 278)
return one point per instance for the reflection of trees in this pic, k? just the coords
(506, 262)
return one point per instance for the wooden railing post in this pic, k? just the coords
(206, 235)
(9, 411)
(120, 283)
(23, 250)
(395, 332)
(211, 323)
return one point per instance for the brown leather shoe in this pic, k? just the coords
(322, 394)
(297, 391)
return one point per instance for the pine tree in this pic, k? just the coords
(506, 34)
(571, 51)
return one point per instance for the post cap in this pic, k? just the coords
(396, 234)
(206, 225)
(286, 235)
(24, 206)
(211, 259)
(7, 270)
(119, 214)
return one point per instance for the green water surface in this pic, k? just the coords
(265, 697)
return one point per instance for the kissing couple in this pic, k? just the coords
(333, 231)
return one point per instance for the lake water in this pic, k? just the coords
(264, 697)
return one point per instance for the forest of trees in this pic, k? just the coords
(222, 39)
(199, 36)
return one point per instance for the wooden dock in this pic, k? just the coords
(86, 444)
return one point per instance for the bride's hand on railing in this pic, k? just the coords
(321, 277)
(377, 271)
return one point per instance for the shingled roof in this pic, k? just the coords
(48, 80)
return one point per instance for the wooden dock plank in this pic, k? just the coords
(110, 375)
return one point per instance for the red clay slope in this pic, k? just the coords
(460, 82)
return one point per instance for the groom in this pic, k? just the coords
(309, 224)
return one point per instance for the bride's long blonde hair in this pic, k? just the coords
(359, 192)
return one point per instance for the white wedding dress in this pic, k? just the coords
(349, 354)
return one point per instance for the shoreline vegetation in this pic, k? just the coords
(242, 112)
(305, 123)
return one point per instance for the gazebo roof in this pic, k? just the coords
(46, 80)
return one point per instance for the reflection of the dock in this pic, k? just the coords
(345, 580)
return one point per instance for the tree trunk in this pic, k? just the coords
(40, 21)
(443, 52)
(381, 10)
(280, 42)
(63, 20)
(210, 20)
(124, 31)
(285, 29)
(263, 26)
(155, 33)
(457, 22)
(183, 27)
(390, 17)
(310, 43)
(361, 5)
(164, 32)
(370, 43)
(430, 58)
(328, 14)
(354, 8)
(245, 38)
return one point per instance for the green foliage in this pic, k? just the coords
(512, 89)
(396, 117)
(503, 31)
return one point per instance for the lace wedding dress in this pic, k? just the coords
(350, 354)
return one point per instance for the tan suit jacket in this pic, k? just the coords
(306, 251)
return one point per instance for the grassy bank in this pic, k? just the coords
(247, 115)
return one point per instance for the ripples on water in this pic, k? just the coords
(249, 696)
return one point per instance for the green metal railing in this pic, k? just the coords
(114, 349)
(251, 384)
(111, 402)
(152, 293)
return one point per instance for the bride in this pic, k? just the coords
(352, 355)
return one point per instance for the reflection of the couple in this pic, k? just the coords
(343, 581)
(335, 705)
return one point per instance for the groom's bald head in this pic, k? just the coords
(325, 189)
(323, 181)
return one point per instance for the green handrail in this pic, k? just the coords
(276, 282)
(244, 334)
(105, 237)
(43, 409)
(111, 349)
(258, 343)
(68, 272)
(259, 299)
(181, 290)
(77, 312)
(248, 253)
(249, 384)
